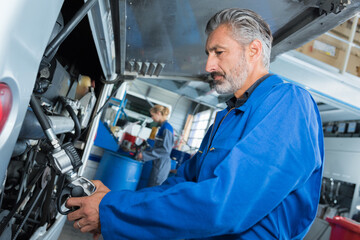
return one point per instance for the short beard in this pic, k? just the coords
(234, 80)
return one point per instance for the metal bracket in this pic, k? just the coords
(326, 6)
(332, 6)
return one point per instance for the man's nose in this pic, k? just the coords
(210, 64)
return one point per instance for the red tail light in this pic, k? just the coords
(5, 104)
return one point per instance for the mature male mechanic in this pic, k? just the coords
(258, 171)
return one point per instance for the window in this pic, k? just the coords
(199, 127)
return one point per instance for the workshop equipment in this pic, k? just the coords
(343, 228)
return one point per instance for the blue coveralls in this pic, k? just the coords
(257, 175)
(160, 154)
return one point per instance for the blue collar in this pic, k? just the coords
(238, 102)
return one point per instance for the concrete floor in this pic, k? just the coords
(70, 233)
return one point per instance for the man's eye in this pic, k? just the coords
(218, 52)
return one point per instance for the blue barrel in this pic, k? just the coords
(119, 172)
(145, 175)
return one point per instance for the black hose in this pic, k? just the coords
(40, 115)
(76, 121)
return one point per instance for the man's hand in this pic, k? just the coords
(87, 217)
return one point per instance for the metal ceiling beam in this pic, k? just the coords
(184, 85)
(299, 22)
(338, 115)
(307, 28)
(189, 92)
(326, 107)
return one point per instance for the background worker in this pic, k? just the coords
(160, 153)
(257, 174)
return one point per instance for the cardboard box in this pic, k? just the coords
(334, 58)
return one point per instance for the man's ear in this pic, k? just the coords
(255, 50)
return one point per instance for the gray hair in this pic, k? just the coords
(246, 26)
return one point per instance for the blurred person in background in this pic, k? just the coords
(160, 153)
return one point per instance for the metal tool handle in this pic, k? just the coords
(81, 187)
